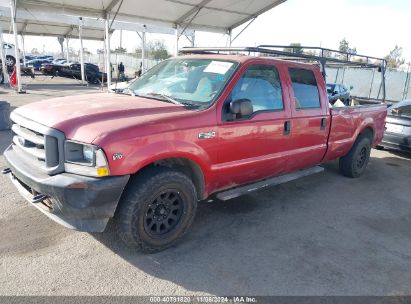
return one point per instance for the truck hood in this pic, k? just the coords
(86, 117)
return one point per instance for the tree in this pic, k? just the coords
(61, 41)
(157, 50)
(120, 50)
(345, 47)
(394, 59)
(295, 47)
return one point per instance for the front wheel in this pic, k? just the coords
(10, 61)
(156, 209)
(354, 163)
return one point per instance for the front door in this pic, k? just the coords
(254, 147)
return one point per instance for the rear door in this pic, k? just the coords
(310, 120)
(255, 147)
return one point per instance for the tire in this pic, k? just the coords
(156, 209)
(354, 163)
(10, 61)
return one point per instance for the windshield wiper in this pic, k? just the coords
(166, 97)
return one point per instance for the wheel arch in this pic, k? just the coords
(367, 131)
(185, 165)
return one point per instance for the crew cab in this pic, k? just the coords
(191, 127)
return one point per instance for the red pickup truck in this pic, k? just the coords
(191, 127)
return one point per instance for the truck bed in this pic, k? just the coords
(347, 123)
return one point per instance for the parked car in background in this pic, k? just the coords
(60, 61)
(36, 63)
(48, 57)
(9, 53)
(51, 68)
(29, 57)
(337, 91)
(397, 133)
(73, 70)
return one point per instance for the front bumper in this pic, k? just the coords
(396, 142)
(74, 201)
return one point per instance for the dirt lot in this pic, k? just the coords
(321, 235)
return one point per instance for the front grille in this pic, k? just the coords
(40, 145)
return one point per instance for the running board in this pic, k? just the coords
(236, 192)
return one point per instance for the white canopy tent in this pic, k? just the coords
(206, 15)
(220, 16)
(28, 27)
(68, 27)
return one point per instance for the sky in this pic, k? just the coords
(374, 27)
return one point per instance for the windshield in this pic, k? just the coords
(403, 108)
(195, 82)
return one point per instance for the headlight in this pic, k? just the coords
(88, 153)
(85, 159)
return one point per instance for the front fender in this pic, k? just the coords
(137, 155)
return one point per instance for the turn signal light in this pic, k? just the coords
(102, 171)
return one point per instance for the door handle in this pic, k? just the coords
(287, 127)
(323, 123)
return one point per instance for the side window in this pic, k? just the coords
(305, 89)
(261, 85)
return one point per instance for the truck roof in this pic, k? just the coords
(244, 58)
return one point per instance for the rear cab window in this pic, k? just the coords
(304, 84)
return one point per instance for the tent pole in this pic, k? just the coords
(248, 24)
(16, 44)
(177, 37)
(108, 65)
(67, 49)
(24, 49)
(80, 29)
(3, 58)
(384, 94)
(143, 50)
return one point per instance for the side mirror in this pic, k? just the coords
(351, 87)
(240, 108)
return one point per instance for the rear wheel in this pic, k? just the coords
(354, 163)
(156, 209)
